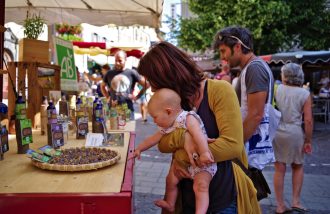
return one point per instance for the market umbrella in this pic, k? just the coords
(95, 12)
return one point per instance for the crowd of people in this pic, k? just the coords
(210, 124)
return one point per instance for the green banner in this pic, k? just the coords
(65, 58)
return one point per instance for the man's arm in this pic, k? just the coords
(145, 85)
(256, 103)
(104, 90)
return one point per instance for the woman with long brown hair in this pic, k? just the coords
(231, 191)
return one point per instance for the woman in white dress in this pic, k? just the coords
(291, 140)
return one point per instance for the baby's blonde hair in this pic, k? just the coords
(165, 98)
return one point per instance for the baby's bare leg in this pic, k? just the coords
(201, 188)
(171, 192)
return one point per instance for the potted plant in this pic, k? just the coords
(31, 49)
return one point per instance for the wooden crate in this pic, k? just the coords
(26, 79)
(32, 50)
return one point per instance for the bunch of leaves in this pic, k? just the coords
(70, 37)
(277, 25)
(34, 25)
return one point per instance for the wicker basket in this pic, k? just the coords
(81, 167)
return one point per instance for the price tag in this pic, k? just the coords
(94, 139)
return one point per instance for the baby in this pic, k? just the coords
(165, 109)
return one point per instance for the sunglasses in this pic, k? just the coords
(221, 37)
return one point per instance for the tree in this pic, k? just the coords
(309, 24)
(275, 24)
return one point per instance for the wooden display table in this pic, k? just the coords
(25, 188)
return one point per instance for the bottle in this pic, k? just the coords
(22, 126)
(113, 118)
(95, 102)
(79, 107)
(4, 146)
(64, 106)
(98, 122)
(99, 112)
(20, 107)
(3, 113)
(51, 113)
(127, 111)
(121, 117)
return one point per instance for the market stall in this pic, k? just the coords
(24, 188)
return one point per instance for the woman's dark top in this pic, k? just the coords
(222, 191)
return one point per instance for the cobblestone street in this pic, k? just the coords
(151, 170)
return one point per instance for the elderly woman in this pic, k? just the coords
(291, 141)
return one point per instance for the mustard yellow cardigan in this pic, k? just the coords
(229, 145)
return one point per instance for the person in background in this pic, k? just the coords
(254, 87)
(98, 79)
(291, 141)
(234, 75)
(225, 72)
(127, 76)
(143, 103)
(78, 74)
(325, 91)
(324, 79)
(231, 191)
(164, 107)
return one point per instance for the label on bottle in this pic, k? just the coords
(80, 111)
(99, 115)
(82, 126)
(26, 131)
(52, 116)
(20, 111)
(4, 140)
(57, 135)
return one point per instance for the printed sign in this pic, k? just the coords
(65, 58)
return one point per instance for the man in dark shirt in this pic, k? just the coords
(120, 83)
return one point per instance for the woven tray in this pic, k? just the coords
(80, 167)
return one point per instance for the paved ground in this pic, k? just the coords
(151, 170)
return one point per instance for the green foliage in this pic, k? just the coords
(277, 25)
(70, 37)
(34, 26)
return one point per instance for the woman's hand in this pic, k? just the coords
(210, 140)
(179, 171)
(307, 148)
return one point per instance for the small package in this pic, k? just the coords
(49, 151)
(37, 156)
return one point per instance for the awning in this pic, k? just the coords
(96, 48)
(95, 12)
(300, 57)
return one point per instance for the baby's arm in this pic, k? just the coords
(200, 140)
(149, 142)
